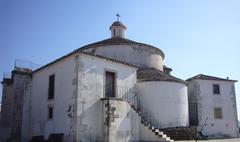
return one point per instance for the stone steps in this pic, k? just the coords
(163, 137)
(157, 132)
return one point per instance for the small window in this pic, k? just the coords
(51, 83)
(218, 113)
(216, 89)
(50, 112)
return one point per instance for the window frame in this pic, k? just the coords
(218, 114)
(216, 89)
(50, 112)
(51, 86)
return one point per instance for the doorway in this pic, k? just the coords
(110, 84)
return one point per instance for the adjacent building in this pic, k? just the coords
(213, 106)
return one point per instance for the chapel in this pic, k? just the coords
(115, 90)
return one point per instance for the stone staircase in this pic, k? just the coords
(157, 132)
(163, 137)
(148, 124)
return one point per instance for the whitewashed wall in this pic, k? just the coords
(91, 88)
(122, 124)
(92, 70)
(79, 82)
(63, 97)
(225, 127)
(166, 101)
(135, 54)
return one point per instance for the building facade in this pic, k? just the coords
(112, 90)
(213, 102)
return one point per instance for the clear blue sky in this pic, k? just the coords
(197, 36)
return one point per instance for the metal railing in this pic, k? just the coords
(24, 64)
(130, 95)
(122, 93)
(7, 75)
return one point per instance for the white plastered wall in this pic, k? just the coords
(142, 56)
(91, 88)
(207, 101)
(79, 82)
(165, 102)
(63, 98)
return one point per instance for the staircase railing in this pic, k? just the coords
(130, 95)
(127, 94)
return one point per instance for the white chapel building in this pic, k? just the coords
(114, 90)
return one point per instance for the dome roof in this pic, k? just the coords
(117, 23)
(152, 74)
(121, 41)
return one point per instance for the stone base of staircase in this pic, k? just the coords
(180, 133)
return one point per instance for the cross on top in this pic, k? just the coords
(118, 16)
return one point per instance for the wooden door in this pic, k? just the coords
(110, 84)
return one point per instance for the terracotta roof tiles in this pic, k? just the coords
(120, 41)
(152, 74)
(208, 77)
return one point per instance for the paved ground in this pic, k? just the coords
(217, 140)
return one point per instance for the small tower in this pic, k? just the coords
(117, 28)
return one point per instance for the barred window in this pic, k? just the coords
(218, 113)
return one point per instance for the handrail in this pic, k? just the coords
(127, 94)
(130, 95)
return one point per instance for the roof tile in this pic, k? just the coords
(152, 74)
(208, 77)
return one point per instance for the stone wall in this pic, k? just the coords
(13, 100)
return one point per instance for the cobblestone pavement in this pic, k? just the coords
(216, 140)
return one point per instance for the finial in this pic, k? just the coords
(118, 16)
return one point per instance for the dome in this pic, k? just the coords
(152, 74)
(121, 41)
(117, 29)
(118, 24)
(120, 48)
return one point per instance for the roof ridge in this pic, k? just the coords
(209, 77)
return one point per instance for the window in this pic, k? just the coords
(51, 83)
(216, 89)
(218, 113)
(50, 112)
